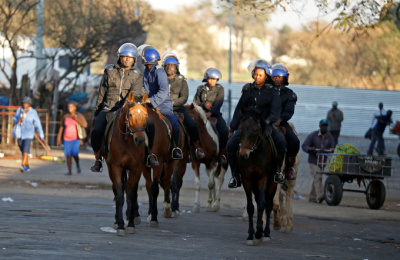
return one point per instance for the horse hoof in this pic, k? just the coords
(196, 208)
(245, 217)
(277, 227)
(149, 219)
(173, 215)
(153, 224)
(115, 226)
(131, 230)
(250, 243)
(257, 241)
(209, 208)
(167, 213)
(178, 213)
(137, 220)
(288, 229)
(121, 232)
(215, 207)
(266, 239)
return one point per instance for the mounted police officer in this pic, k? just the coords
(280, 76)
(268, 105)
(179, 93)
(210, 97)
(155, 83)
(118, 80)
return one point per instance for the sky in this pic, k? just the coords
(295, 17)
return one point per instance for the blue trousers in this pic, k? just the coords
(377, 136)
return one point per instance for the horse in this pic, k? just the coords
(283, 214)
(257, 162)
(165, 169)
(209, 142)
(126, 152)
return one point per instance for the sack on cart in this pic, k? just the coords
(336, 163)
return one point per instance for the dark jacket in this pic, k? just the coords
(155, 83)
(335, 118)
(319, 141)
(268, 103)
(213, 95)
(288, 100)
(116, 85)
(178, 90)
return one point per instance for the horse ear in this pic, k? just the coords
(131, 97)
(191, 106)
(145, 97)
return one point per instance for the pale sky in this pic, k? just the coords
(295, 17)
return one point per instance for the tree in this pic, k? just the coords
(17, 20)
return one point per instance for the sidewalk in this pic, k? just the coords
(48, 171)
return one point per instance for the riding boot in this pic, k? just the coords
(222, 157)
(176, 151)
(279, 177)
(97, 165)
(236, 180)
(151, 160)
(289, 168)
(198, 151)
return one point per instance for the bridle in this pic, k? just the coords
(128, 129)
(259, 138)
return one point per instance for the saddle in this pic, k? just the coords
(166, 122)
(110, 117)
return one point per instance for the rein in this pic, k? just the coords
(259, 139)
(128, 129)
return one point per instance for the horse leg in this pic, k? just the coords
(176, 185)
(283, 207)
(245, 216)
(196, 168)
(260, 211)
(250, 212)
(211, 187)
(220, 179)
(149, 183)
(289, 201)
(269, 199)
(115, 173)
(277, 209)
(154, 195)
(169, 169)
(131, 191)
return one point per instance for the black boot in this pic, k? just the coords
(151, 160)
(279, 178)
(235, 181)
(289, 170)
(176, 151)
(198, 151)
(97, 165)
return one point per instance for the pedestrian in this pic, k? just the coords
(318, 141)
(377, 113)
(118, 81)
(69, 134)
(335, 118)
(377, 132)
(179, 93)
(28, 120)
(268, 105)
(210, 97)
(280, 76)
(155, 83)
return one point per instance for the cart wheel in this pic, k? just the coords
(333, 190)
(376, 194)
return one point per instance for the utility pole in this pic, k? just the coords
(39, 39)
(230, 41)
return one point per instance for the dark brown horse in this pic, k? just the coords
(209, 142)
(126, 159)
(256, 163)
(162, 149)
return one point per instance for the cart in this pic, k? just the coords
(366, 169)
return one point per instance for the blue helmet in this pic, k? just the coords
(212, 73)
(170, 58)
(279, 70)
(150, 56)
(128, 50)
(142, 48)
(259, 64)
(27, 100)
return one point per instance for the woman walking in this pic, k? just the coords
(27, 118)
(69, 133)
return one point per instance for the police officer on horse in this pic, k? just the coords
(210, 97)
(280, 76)
(179, 93)
(118, 80)
(268, 105)
(155, 83)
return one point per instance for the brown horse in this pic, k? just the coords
(126, 152)
(256, 162)
(209, 142)
(162, 149)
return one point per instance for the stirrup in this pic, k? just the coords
(172, 153)
(279, 178)
(148, 158)
(195, 153)
(101, 163)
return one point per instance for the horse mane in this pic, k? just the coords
(209, 128)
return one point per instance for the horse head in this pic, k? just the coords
(250, 132)
(136, 116)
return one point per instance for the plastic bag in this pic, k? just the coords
(16, 132)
